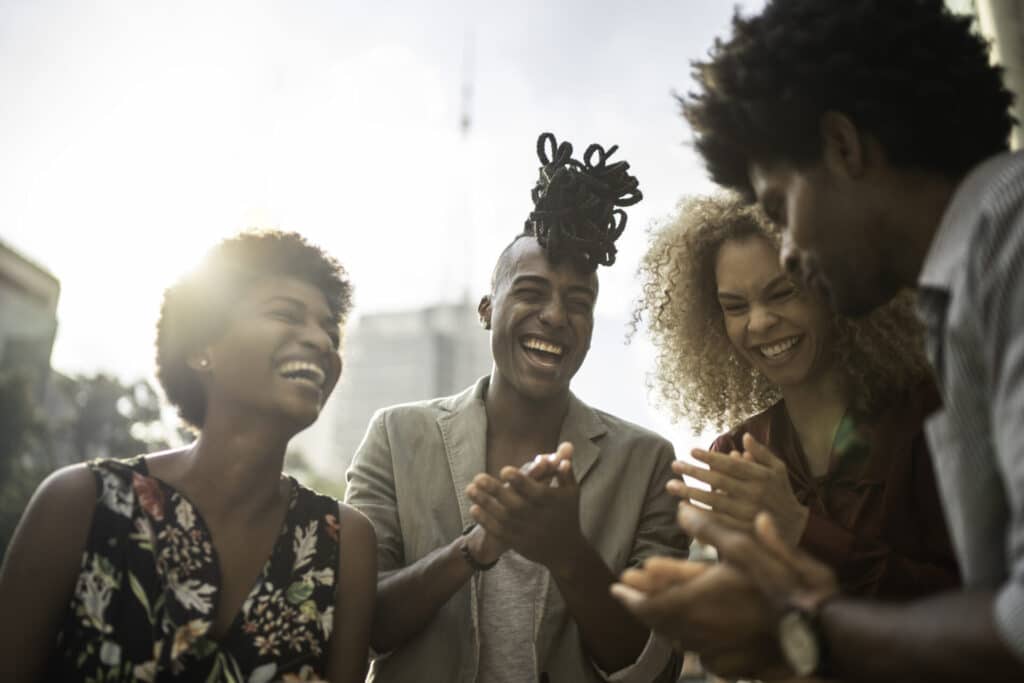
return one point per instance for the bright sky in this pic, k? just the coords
(135, 134)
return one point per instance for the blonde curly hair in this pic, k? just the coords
(698, 375)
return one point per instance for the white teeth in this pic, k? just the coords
(540, 345)
(300, 370)
(778, 348)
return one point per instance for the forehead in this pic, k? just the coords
(287, 289)
(747, 263)
(526, 258)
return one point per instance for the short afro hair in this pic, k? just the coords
(196, 308)
(908, 72)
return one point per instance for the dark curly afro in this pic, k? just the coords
(908, 72)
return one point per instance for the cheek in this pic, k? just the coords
(802, 216)
(735, 330)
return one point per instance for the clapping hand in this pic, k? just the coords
(534, 510)
(742, 485)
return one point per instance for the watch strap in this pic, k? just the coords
(468, 556)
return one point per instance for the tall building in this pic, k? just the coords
(394, 358)
(28, 317)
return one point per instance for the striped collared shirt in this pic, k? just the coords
(971, 294)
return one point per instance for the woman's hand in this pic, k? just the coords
(742, 485)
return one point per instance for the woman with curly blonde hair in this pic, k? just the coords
(828, 410)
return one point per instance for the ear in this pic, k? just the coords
(199, 360)
(843, 147)
(484, 311)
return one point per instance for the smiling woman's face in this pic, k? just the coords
(278, 356)
(776, 327)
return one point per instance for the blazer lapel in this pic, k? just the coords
(464, 430)
(581, 427)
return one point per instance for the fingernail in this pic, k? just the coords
(687, 515)
(625, 593)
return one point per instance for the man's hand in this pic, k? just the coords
(727, 612)
(742, 486)
(786, 576)
(485, 547)
(708, 608)
(539, 519)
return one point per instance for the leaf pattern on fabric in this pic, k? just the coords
(193, 594)
(150, 561)
(305, 545)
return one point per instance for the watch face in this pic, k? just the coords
(799, 643)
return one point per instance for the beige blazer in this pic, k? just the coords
(409, 477)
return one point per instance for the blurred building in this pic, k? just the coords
(28, 317)
(1001, 22)
(394, 358)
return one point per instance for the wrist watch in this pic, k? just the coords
(803, 643)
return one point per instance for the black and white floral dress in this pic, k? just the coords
(148, 589)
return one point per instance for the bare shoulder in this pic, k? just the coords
(55, 526)
(71, 490)
(354, 528)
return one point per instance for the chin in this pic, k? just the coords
(299, 417)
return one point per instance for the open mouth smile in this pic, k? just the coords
(543, 351)
(776, 349)
(303, 372)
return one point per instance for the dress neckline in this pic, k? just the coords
(202, 584)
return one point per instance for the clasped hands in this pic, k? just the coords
(533, 509)
(728, 612)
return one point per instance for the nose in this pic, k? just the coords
(554, 313)
(316, 337)
(761, 318)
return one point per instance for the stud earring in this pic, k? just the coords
(204, 363)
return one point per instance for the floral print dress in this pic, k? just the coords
(148, 588)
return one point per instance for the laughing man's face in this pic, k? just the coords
(541, 317)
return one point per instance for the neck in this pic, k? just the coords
(514, 416)
(815, 408)
(918, 201)
(235, 466)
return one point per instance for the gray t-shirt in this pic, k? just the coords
(509, 595)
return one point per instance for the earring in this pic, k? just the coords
(484, 324)
(204, 363)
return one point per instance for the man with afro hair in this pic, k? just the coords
(875, 132)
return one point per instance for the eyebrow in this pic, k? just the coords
(281, 298)
(774, 282)
(298, 303)
(531, 279)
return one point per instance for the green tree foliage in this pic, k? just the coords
(22, 436)
(297, 465)
(86, 418)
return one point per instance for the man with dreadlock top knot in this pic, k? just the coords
(495, 563)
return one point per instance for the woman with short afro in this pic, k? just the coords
(206, 562)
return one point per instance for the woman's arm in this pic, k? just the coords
(40, 570)
(357, 591)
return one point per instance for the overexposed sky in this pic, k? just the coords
(135, 134)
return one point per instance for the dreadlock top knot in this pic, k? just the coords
(576, 212)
